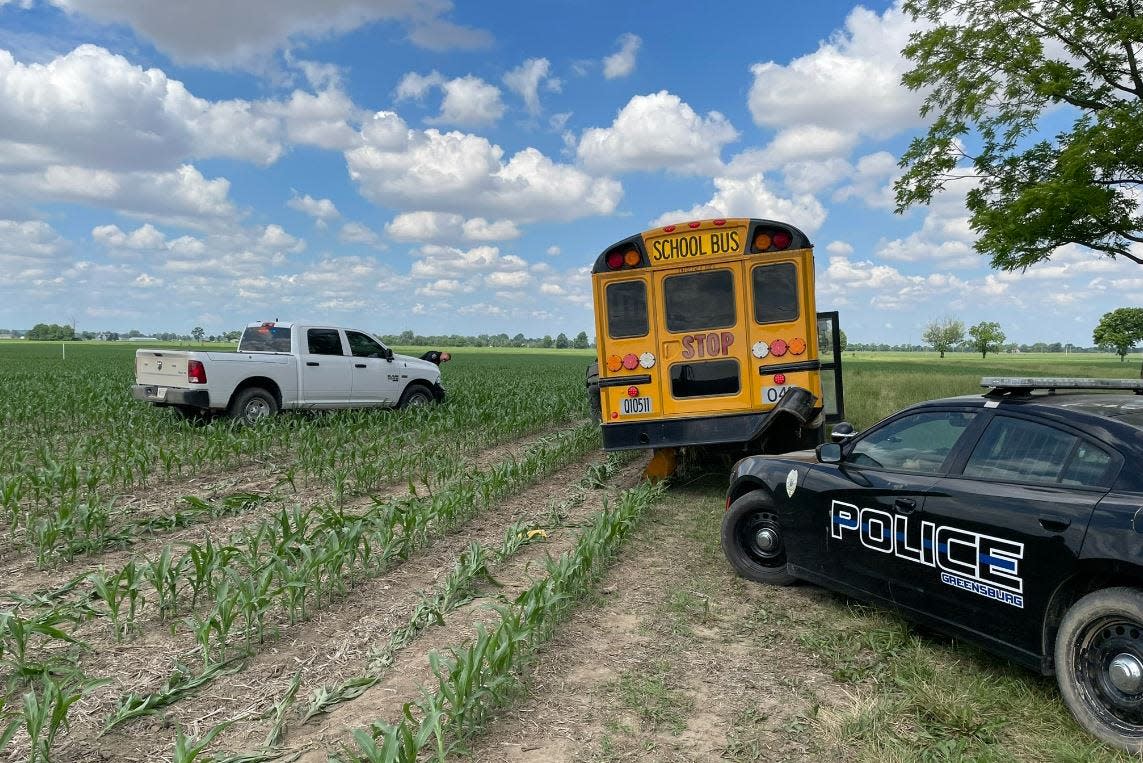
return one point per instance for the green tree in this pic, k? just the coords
(562, 341)
(547, 341)
(51, 332)
(197, 333)
(986, 337)
(943, 335)
(990, 70)
(580, 341)
(1119, 330)
(842, 340)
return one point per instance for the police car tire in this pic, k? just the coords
(754, 510)
(1124, 605)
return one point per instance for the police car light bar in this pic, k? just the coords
(1002, 384)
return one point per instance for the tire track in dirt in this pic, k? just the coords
(22, 576)
(675, 660)
(410, 670)
(144, 663)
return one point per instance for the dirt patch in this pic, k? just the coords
(674, 660)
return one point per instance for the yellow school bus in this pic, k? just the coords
(707, 334)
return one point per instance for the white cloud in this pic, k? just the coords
(321, 119)
(416, 86)
(468, 101)
(182, 197)
(751, 197)
(443, 227)
(851, 83)
(657, 131)
(356, 233)
(323, 211)
(29, 249)
(525, 81)
(145, 238)
(93, 108)
(872, 181)
(622, 62)
(225, 34)
(843, 248)
(508, 280)
(553, 251)
(462, 173)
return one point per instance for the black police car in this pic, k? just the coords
(1014, 519)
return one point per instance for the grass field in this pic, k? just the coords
(474, 579)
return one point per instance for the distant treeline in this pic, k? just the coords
(560, 341)
(1012, 347)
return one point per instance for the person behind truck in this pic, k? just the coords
(436, 356)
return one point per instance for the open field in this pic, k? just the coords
(177, 592)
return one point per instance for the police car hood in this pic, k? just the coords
(422, 368)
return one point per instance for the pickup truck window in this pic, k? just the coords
(265, 339)
(363, 346)
(324, 342)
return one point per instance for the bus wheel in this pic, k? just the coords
(753, 542)
(593, 397)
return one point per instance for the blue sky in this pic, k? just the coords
(455, 167)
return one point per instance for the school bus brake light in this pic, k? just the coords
(778, 348)
(632, 392)
(630, 361)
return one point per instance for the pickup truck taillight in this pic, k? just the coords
(196, 374)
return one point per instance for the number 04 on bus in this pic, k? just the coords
(707, 334)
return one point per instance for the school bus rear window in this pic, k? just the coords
(775, 293)
(699, 301)
(626, 309)
(713, 377)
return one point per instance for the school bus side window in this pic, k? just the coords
(626, 309)
(775, 292)
(697, 301)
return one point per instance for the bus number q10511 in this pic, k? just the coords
(635, 405)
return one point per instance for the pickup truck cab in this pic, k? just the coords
(284, 366)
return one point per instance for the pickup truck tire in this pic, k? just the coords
(752, 540)
(253, 404)
(415, 395)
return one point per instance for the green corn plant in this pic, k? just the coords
(188, 749)
(180, 683)
(45, 713)
(278, 713)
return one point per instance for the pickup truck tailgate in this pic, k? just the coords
(161, 367)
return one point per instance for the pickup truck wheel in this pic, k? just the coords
(415, 395)
(1099, 665)
(752, 540)
(252, 405)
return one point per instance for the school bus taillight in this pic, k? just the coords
(632, 392)
(630, 361)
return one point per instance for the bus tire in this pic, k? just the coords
(594, 399)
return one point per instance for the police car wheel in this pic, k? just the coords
(252, 405)
(1099, 665)
(752, 540)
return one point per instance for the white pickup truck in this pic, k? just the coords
(282, 366)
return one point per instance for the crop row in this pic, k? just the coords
(291, 563)
(474, 679)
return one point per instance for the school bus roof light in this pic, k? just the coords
(615, 259)
(632, 258)
(771, 239)
(781, 239)
(762, 241)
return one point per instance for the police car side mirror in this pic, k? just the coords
(843, 432)
(829, 453)
(387, 354)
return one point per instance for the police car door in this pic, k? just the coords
(1008, 529)
(871, 501)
